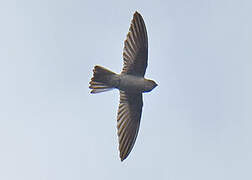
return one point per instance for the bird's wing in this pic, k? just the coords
(135, 52)
(128, 121)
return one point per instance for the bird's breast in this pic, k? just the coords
(130, 83)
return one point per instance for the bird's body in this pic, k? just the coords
(135, 84)
(130, 82)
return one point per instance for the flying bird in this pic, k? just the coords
(130, 82)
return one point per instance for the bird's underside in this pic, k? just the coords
(135, 55)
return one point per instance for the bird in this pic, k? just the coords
(130, 82)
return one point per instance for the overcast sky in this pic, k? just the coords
(195, 125)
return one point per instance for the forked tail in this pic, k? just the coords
(102, 80)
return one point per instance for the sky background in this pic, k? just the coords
(195, 125)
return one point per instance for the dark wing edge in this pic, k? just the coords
(128, 121)
(135, 52)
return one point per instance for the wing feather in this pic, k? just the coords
(128, 121)
(135, 52)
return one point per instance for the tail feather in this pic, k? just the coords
(98, 87)
(102, 80)
(100, 90)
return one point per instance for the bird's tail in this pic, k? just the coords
(102, 80)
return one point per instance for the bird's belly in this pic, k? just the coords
(131, 83)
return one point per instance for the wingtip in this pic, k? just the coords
(137, 13)
(122, 158)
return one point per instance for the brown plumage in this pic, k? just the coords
(130, 82)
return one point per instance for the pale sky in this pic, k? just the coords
(195, 125)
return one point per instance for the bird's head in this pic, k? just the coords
(149, 85)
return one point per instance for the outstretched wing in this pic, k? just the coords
(135, 52)
(128, 121)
